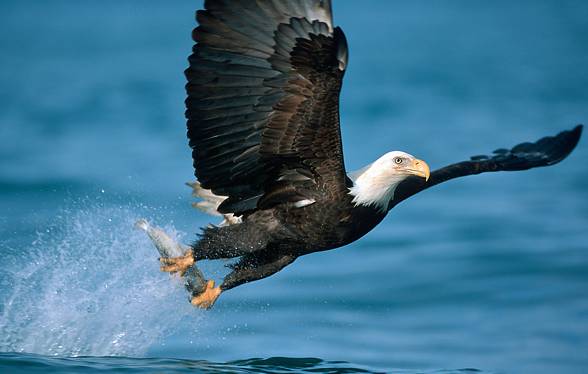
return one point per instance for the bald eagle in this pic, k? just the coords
(262, 114)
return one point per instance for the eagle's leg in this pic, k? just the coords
(179, 264)
(207, 296)
(251, 268)
(230, 241)
(175, 257)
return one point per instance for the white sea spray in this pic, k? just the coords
(90, 285)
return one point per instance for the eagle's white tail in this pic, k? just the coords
(210, 203)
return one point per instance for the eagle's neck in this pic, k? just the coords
(374, 186)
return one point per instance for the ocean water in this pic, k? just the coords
(483, 274)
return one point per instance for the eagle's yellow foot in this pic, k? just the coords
(206, 299)
(177, 264)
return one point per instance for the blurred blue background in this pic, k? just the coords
(488, 272)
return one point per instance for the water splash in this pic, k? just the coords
(90, 285)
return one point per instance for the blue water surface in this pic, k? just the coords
(487, 273)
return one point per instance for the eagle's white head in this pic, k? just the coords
(374, 184)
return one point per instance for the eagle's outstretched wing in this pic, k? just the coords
(263, 101)
(546, 151)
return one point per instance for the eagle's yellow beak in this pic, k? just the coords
(420, 168)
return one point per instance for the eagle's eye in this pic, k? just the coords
(398, 160)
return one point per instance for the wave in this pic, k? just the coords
(15, 363)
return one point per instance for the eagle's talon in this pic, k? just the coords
(177, 264)
(206, 298)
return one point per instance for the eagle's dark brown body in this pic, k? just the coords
(263, 121)
(276, 237)
(316, 228)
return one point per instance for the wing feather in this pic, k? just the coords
(263, 99)
(545, 152)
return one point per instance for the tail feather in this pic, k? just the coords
(210, 203)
